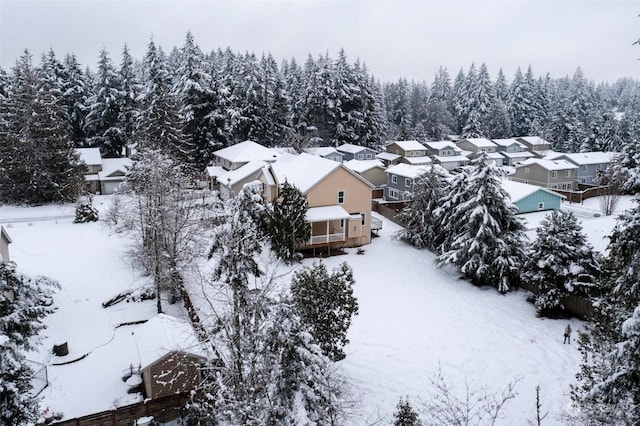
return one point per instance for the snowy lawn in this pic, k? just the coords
(413, 318)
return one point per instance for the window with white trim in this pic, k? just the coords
(526, 170)
(394, 179)
(364, 218)
(369, 156)
(541, 206)
(393, 193)
(584, 168)
(360, 156)
(407, 182)
(567, 173)
(342, 223)
(340, 197)
(554, 174)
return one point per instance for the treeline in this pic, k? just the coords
(190, 103)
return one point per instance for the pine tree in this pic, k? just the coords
(421, 218)
(127, 99)
(102, 126)
(326, 304)
(76, 94)
(288, 228)
(487, 237)
(560, 261)
(405, 414)
(24, 303)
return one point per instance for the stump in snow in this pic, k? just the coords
(61, 349)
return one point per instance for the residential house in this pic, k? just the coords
(5, 240)
(113, 175)
(356, 152)
(551, 174)
(589, 164)
(371, 170)
(338, 199)
(326, 152)
(481, 145)
(446, 154)
(532, 198)
(231, 182)
(213, 173)
(388, 158)
(170, 356)
(235, 156)
(400, 180)
(512, 151)
(535, 145)
(406, 148)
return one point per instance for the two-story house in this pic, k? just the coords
(388, 159)
(551, 174)
(535, 145)
(481, 145)
(400, 180)
(371, 170)
(512, 151)
(103, 175)
(356, 152)
(446, 154)
(338, 199)
(589, 164)
(326, 152)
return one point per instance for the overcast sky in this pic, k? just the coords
(394, 38)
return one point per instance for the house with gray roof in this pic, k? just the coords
(551, 174)
(400, 180)
(356, 152)
(590, 164)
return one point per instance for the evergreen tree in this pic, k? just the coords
(421, 220)
(487, 237)
(560, 262)
(127, 98)
(405, 414)
(326, 304)
(102, 126)
(24, 303)
(288, 228)
(76, 94)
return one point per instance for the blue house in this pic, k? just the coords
(356, 152)
(589, 163)
(532, 198)
(400, 179)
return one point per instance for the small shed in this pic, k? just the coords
(170, 356)
(532, 198)
(5, 240)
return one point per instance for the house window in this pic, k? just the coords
(554, 174)
(342, 223)
(540, 206)
(446, 152)
(483, 149)
(393, 194)
(264, 189)
(554, 186)
(340, 197)
(364, 218)
(369, 156)
(407, 182)
(583, 180)
(526, 170)
(394, 179)
(584, 168)
(567, 173)
(360, 156)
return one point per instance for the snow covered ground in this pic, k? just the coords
(413, 318)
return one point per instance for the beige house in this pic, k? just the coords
(551, 174)
(407, 148)
(535, 144)
(338, 199)
(372, 170)
(5, 240)
(477, 145)
(170, 356)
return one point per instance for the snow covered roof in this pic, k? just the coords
(350, 148)
(317, 214)
(323, 151)
(418, 160)
(246, 151)
(479, 142)
(361, 166)
(111, 166)
(388, 156)
(5, 235)
(518, 190)
(508, 142)
(303, 171)
(441, 145)
(410, 145)
(548, 164)
(494, 155)
(407, 170)
(521, 154)
(450, 158)
(90, 156)
(533, 140)
(215, 171)
(234, 176)
(163, 334)
(584, 158)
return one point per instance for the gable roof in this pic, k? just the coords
(111, 167)
(548, 164)
(361, 166)
(323, 151)
(234, 176)
(407, 170)
(351, 148)
(424, 159)
(438, 145)
(246, 151)
(584, 158)
(479, 142)
(508, 142)
(303, 171)
(409, 145)
(163, 334)
(388, 156)
(90, 156)
(518, 190)
(215, 171)
(533, 140)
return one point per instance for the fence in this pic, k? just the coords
(39, 379)
(580, 196)
(577, 306)
(389, 211)
(164, 408)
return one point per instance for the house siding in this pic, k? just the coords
(530, 203)
(174, 373)
(540, 176)
(357, 199)
(394, 148)
(400, 186)
(376, 176)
